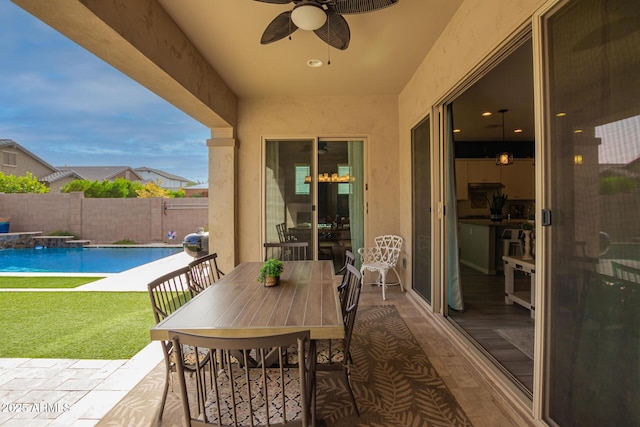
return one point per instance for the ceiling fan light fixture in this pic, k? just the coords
(308, 16)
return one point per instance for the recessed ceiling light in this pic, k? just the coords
(561, 114)
(457, 130)
(577, 131)
(517, 131)
(314, 63)
(486, 114)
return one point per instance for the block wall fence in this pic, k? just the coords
(104, 221)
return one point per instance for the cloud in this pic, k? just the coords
(69, 107)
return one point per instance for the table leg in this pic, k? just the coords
(508, 283)
(533, 295)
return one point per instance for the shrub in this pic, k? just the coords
(27, 183)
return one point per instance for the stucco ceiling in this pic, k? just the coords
(386, 47)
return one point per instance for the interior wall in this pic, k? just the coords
(477, 29)
(372, 117)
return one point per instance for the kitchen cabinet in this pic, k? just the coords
(483, 170)
(519, 180)
(462, 180)
(477, 241)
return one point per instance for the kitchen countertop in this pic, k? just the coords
(504, 223)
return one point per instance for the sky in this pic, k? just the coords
(68, 107)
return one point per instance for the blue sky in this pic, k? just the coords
(69, 107)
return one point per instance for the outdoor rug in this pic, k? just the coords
(521, 338)
(392, 379)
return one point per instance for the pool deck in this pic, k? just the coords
(78, 393)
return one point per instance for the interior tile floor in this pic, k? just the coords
(91, 388)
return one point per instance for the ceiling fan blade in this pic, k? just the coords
(279, 28)
(346, 7)
(335, 32)
(275, 1)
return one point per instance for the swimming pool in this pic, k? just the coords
(79, 260)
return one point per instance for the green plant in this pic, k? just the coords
(27, 183)
(125, 242)
(62, 233)
(497, 202)
(271, 268)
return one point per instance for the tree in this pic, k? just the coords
(27, 183)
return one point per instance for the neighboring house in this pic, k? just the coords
(163, 179)
(198, 190)
(58, 179)
(103, 173)
(17, 160)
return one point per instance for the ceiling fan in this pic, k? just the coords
(323, 17)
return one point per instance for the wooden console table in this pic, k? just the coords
(511, 264)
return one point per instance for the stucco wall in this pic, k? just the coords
(372, 117)
(105, 220)
(478, 28)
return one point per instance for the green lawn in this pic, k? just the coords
(74, 325)
(48, 282)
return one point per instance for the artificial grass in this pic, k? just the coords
(74, 325)
(46, 282)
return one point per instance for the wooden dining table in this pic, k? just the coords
(240, 306)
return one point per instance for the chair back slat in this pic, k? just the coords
(170, 292)
(204, 272)
(286, 251)
(353, 298)
(227, 392)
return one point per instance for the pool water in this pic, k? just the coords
(79, 260)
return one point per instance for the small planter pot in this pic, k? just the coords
(270, 281)
(495, 217)
(4, 224)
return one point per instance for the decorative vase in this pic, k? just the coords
(270, 281)
(527, 245)
(496, 217)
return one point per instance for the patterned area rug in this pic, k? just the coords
(392, 379)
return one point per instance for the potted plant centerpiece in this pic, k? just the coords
(496, 204)
(270, 272)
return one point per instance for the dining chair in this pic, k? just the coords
(168, 293)
(333, 355)
(204, 272)
(226, 393)
(286, 251)
(626, 272)
(344, 282)
(382, 258)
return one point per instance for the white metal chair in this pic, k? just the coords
(382, 258)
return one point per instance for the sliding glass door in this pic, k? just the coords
(315, 193)
(592, 183)
(421, 159)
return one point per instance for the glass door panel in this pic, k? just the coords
(421, 158)
(593, 182)
(340, 206)
(289, 191)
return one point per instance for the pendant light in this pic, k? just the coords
(504, 158)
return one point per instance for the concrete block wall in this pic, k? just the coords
(104, 221)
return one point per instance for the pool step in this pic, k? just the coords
(76, 243)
